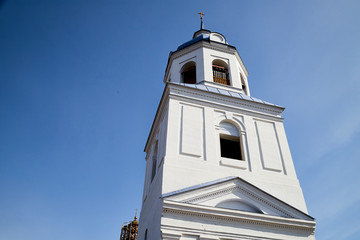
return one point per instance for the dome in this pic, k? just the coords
(204, 34)
(135, 222)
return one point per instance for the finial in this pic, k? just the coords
(201, 17)
(135, 214)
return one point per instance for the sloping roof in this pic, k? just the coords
(226, 93)
(198, 186)
(192, 41)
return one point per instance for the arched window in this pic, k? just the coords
(243, 85)
(188, 73)
(145, 237)
(220, 72)
(154, 161)
(230, 143)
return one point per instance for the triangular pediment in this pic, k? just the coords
(236, 194)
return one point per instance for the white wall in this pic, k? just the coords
(150, 214)
(193, 150)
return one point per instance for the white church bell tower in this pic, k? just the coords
(218, 164)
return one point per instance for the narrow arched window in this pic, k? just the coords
(243, 85)
(188, 73)
(230, 143)
(154, 161)
(146, 233)
(220, 72)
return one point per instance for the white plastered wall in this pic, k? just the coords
(185, 169)
(151, 206)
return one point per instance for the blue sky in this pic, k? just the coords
(80, 82)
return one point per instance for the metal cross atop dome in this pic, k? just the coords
(201, 17)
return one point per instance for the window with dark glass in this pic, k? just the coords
(154, 161)
(230, 141)
(146, 233)
(243, 86)
(230, 147)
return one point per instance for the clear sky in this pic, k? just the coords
(80, 82)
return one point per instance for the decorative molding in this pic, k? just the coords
(170, 236)
(228, 115)
(209, 196)
(222, 86)
(178, 89)
(241, 164)
(225, 191)
(238, 120)
(254, 194)
(215, 235)
(273, 222)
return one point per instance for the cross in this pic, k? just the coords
(201, 15)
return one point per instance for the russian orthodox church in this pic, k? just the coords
(218, 164)
(129, 231)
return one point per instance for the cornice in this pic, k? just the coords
(170, 236)
(227, 215)
(216, 98)
(210, 234)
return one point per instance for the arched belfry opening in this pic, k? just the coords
(220, 72)
(188, 73)
(154, 161)
(230, 143)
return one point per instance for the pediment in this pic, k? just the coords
(235, 194)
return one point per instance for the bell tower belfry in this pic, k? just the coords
(214, 63)
(218, 164)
